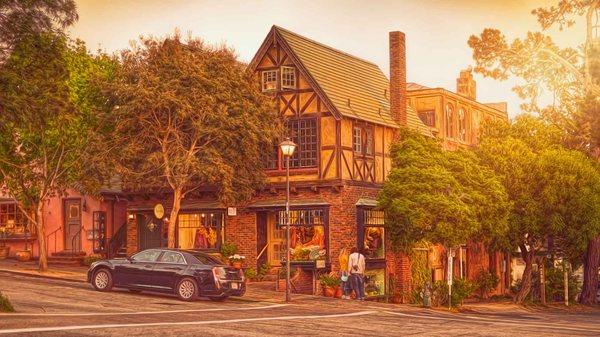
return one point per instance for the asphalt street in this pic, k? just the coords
(59, 308)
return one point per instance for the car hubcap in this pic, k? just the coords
(186, 289)
(101, 280)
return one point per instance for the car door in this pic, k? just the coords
(137, 271)
(168, 269)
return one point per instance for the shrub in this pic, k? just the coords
(329, 280)
(88, 260)
(5, 305)
(486, 282)
(555, 284)
(250, 273)
(263, 271)
(461, 289)
(228, 249)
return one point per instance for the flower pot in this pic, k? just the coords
(237, 265)
(338, 292)
(23, 255)
(4, 252)
(328, 291)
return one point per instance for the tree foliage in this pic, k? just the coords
(440, 196)
(192, 118)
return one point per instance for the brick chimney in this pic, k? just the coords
(398, 77)
(465, 84)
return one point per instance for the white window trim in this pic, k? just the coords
(284, 69)
(357, 146)
(264, 75)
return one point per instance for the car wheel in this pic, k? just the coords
(102, 280)
(219, 299)
(187, 289)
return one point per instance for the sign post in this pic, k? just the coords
(450, 270)
(566, 281)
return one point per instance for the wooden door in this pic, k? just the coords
(261, 238)
(73, 231)
(149, 231)
(276, 235)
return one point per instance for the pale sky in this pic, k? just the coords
(436, 30)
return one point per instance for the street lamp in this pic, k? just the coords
(287, 149)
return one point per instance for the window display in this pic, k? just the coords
(12, 221)
(374, 234)
(375, 282)
(199, 230)
(307, 234)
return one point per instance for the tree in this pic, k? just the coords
(440, 196)
(20, 18)
(49, 124)
(571, 76)
(554, 191)
(191, 118)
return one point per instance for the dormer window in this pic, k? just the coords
(269, 80)
(288, 78)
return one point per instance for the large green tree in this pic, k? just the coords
(570, 75)
(442, 197)
(21, 18)
(49, 125)
(191, 118)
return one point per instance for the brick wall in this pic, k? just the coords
(132, 238)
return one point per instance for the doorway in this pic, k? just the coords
(73, 230)
(276, 240)
(149, 231)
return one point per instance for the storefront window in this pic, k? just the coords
(375, 282)
(199, 230)
(12, 221)
(374, 234)
(307, 234)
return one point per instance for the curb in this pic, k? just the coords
(20, 273)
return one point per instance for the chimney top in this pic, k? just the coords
(398, 77)
(466, 85)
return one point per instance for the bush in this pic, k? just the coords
(263, 271)
(329, 280)
(555, 284)
(88, 260)
(250, 273)
(228, 249)
(461, 289)
(5, 305)
(486, 282)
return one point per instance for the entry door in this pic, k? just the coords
(73, 232)
(149, 231)
(276, 237)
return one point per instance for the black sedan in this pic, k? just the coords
(189, 274)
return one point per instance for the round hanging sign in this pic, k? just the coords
(159, 211)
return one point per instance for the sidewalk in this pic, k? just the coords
(30, 268)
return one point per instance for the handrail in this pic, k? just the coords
(77, 235)
(117, 240)
(262, 251)
(48, 238)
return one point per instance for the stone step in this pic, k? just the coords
(68, 253)
(65, 260)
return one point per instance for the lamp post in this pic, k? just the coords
(287, 149)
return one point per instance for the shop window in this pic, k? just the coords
(12, 221)
(303, 132)
(288, 77)
(428, 117)
(307, 234)
(373, 234)
(199, 230)
(375, 282)
(269, 80)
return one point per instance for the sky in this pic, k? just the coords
(436, 30)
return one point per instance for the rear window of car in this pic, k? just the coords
(206, 259)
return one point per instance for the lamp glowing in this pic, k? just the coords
(287, 147)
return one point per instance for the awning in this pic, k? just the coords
(278, 203)
(366, 202)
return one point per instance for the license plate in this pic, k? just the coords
(235, 286)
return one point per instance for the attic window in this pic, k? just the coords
(269, 80)
(288, 78)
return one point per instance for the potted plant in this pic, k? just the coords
(4, 249)
(228, 249)
(328, 283)
(25, 254)
(236, 260)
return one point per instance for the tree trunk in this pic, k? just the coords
(41, 234)
(528, 257)
(177, 196)
(590, 272)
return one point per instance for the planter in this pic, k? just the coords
(23, 255)
(328, 291)
(236, 265)
(4, 252)
(338, 292)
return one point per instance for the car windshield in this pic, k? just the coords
(205, 258)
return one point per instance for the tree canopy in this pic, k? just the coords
(192, 118)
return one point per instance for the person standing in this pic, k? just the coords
(356, 266)
(344, 276)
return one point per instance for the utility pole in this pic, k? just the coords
(566, 280)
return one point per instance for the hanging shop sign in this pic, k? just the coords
(231, 211)
(159, 211)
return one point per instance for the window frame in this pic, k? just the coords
(11, 211)
(427, 117)
(218, 217)
(363, 140)
(357, 142)
(324, 214)
(286, 70)
(462, 124)
(449, 120)
(301, 153)
(263, 82)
